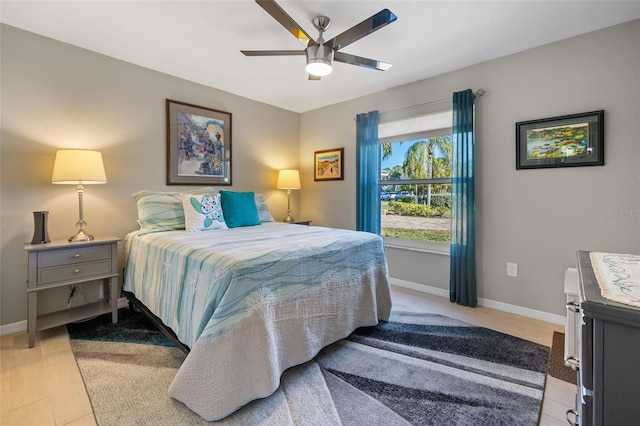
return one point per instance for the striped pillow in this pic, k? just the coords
(162, 211)
(263, 209)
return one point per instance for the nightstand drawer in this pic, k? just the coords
(72, 272)
(72, 256)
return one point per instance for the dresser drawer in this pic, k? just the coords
(73, 255)
(72, 272)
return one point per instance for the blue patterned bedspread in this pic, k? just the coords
(251, 302)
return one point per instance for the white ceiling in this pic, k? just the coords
(201, 41)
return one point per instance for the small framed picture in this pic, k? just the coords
(198, 145)
(328, 164)
(569, 140)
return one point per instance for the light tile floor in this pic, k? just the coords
(42, 386)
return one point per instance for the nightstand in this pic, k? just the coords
(59, 264)
(300, 222)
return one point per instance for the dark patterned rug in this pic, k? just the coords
(417, 369)
(132, 327)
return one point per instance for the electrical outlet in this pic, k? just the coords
(512, 269)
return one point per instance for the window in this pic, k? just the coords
(415, 181)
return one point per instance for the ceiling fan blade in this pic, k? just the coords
(272, 8)
(360, 61)
(364, 28)
(273, 52)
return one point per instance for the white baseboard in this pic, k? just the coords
(500, 306)
(20, 326)
(419, 287)
(15, 327)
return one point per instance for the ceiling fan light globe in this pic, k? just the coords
(319, 60)
(318, 67)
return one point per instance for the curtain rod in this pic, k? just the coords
(478, 93)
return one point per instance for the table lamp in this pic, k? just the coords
(288, 179)
(79, 167)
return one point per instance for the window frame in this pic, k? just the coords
(403, 243)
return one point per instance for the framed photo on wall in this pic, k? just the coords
(198, 145)
(328, 164)
(569, 140)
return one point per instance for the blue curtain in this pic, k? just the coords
(368, 171)
(462, 281)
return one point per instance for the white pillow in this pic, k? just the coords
(202, 212)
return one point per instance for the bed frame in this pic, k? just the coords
(137, 305)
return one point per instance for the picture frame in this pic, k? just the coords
(564, 141)
(328, 164)
(198, 145)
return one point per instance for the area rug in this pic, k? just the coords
(417, 369)
(557, 368)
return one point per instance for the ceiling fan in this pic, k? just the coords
(321, 53)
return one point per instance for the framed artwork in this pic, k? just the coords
(569, 140)
(198, 145)
(328, 164)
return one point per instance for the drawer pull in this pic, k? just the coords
(572, 360)
(77, 255)
(573, 307)
(572, 421)
(76, 271)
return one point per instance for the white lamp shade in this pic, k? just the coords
(78, 166)
(288, 179)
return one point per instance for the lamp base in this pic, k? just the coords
(80, 237)
(289, 219)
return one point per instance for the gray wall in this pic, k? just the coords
(54, 95)
(536, 218)
(57, 96)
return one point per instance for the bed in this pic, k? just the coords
(251, 301)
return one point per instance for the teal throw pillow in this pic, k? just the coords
(239, 208)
